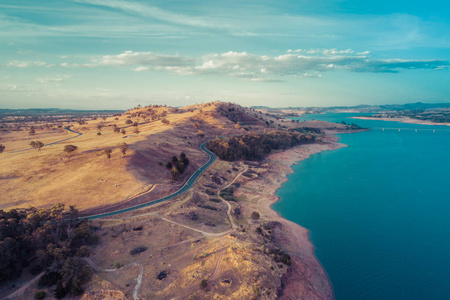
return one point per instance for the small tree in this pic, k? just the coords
(203, 284)
(123, 131)
(37, 145)
(108, 153)
(99, 127)
(116, 129)
(165, 121)
(123, 148)
(255, 215)
(2, 148)
(175, 173)
(128, 122)
(32, 131)
(136, 130)
(70, 149)
(200, 133)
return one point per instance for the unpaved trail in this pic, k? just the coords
(22, 289)
(138, 278)
(233, 225)
(196, 287)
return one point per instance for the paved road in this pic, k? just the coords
(57, 142)
(189, 183)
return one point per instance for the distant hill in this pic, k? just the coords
(369, 108)
(54, 111)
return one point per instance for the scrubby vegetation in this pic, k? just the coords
(46, 238)
(178, 165)
(255, 146)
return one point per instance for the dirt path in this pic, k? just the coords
(233, 225)
(22, 289)
(138, 279)
(196, 287)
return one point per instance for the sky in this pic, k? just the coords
(115, 54)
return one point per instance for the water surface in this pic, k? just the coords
(378, 211)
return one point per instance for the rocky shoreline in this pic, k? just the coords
(306, 278)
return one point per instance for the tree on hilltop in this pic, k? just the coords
(108, 153)
(2, 148)
(37, 145)
(123, 148)
(69, 149)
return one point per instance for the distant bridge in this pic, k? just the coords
(408, 129)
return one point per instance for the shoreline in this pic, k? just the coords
(404, 120)
(306, 278)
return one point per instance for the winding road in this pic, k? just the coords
(189, 183)
(53, 143)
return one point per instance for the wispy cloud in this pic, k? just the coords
(299, 63)
(26, 64)
(153, 12)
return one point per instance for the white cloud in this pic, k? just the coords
(299, 63)
(56, 79)
(152, 12)
(25, 64)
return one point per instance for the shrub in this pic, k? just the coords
(117, 265)
(40, 295)
(255, 215)
(138, 250)
(203, 284)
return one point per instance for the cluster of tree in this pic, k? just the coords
(37, 145)
(177, 165)
(122, 146)
(255, 146)
(40, 239)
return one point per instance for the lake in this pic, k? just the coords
(378, 211)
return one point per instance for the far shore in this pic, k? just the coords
(403, 120)
(306, 279)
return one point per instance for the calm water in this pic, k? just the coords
(378, 211)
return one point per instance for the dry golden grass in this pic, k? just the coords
(88, 179)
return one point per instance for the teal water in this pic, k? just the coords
(378, 211)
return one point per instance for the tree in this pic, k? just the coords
(37, 145)
(123, 131)
(99, 127)
(175, 173)
(32, 131)
(108, 153)
(123, 148)
(69, 149)
(255, 215)
(136, 130)
(200, 133)
(165, 121)
(128, 122)
(174, 159)
(2, 148)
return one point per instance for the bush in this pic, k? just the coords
(49, 279)
(203, 284)
(138, 250)
(255, 215)
(117, 265)
(40, 295)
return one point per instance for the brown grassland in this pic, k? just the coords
(196, 246)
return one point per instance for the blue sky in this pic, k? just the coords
(116, 54)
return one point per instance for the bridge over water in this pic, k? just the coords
(399, 129)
